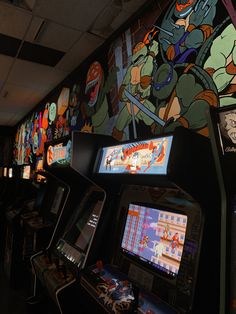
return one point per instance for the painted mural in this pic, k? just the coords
(165, 71)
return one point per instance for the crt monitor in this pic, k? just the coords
(26, 172)
(57, 200)
(80, 230)
(155, 238)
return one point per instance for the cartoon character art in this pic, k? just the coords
(52, 112)
(95, 109)
(157, 155)
(76, 121)
(166, 232)
(137, 83)
(185, 27)
(221, 65)
(230, 119)
(116, 294)
(144, 241)
(174, 242)
(134, 163)
(159, 248)
(108, 162)
(183, 95)
(60, 126)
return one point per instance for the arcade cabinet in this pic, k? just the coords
(56, 266)
(23, 199)
(222, 123)
(166, 252)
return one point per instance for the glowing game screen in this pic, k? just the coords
(39, 166)
(26, 172)
(5, 172)
(10, 173)
(155, 236)
(145, 157)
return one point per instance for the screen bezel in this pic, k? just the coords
(126, 174)
(135, 258)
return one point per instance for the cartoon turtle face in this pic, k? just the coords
(184, 7)
(164, 81)
(139, 53)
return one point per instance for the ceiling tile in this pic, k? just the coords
(5, 65)
(52, 35)
(35, 76)
(19, 96)
(13, 20)
(79, 52)
(116, 21)
(132, 5)
(76, 14)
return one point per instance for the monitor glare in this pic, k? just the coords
(86, 226)
(5, 172)
(149, 157)
(57, 200)
(155, 237)
(10, 173)
(26, 172)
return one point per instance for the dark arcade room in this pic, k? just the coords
(116, 187)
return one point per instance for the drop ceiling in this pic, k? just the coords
(43, 41)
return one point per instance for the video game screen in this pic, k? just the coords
(145, 157)
(5, 172)
(39, 166)
(26, 172)
(10, 173)
(155, 236)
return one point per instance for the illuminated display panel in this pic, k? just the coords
(155, 237)
(5, 172)
(10, 173)
(26, 172)
(59, 155)
(39, 167)
(145, 157)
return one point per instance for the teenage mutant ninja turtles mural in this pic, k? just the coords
(164, 71)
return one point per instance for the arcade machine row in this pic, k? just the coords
(64, 188)
(24, 200)
(56, 267)
(223, 137)
(166, 255)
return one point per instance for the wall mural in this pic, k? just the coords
(166, 70)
